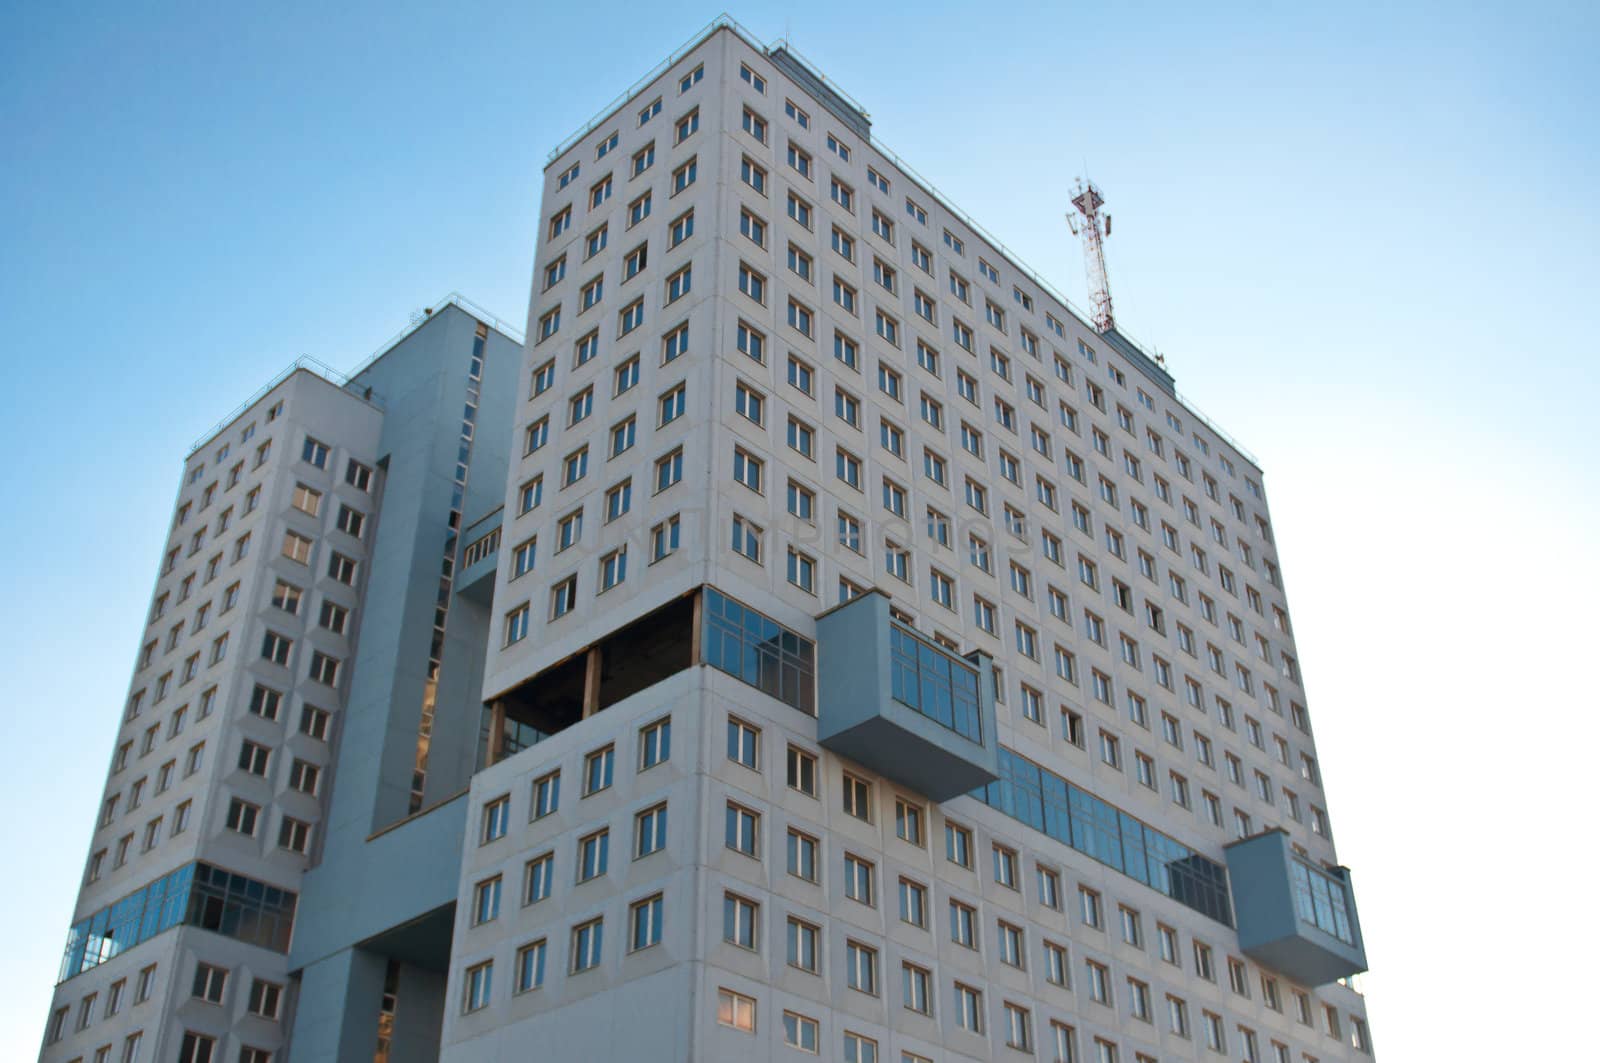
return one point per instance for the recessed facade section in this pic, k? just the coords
(897, 703)
(1294, 917)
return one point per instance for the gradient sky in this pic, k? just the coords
(1363, 235)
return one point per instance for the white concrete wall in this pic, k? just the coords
(713, 430)
(349, 426)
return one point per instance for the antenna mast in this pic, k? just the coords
(1094, 227)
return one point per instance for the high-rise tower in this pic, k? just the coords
(817, 639)
(889, 664)
(274, 713)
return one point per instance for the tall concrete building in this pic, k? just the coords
(887, 666)
(288, 703)
(838, 648)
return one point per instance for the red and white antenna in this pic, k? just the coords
(1094, 227)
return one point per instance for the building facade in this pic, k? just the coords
(813, 640)
(887, 665)
(293, 643)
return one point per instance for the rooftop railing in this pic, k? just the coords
(726, 21)
(311, 365)
(343, 380)
(722, 21)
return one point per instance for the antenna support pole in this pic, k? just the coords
(1094, 227)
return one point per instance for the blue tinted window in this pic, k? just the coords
(757, 650)
(935, 684)
(1072, 815)
(196, 894)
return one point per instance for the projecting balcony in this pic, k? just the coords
(1294, 916)
(479, 557)
(902, 706)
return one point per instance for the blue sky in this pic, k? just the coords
(1363, 235)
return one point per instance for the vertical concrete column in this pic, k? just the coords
(418, 1016)
(591, 682)
(336, 1014)
(694, 631)
(497, 732)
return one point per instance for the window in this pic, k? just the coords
(324, 669)
(685, 127)
(802, 855)
(196, 1048)
(333, 617)
(857, 794)
(858, 880)
(477, 985)
(145, 984)
(753, 175)
(593, 855)
(913, 903)
(1055, 964)
(747, 539)
(546, 794)
(1090, 908)
(800, 1032)
(908, 821)
(265, 999)
(755, 125)
(242, 816)
(294, 835)
(530, 966)
(740, 920)
(682, 228)
(1012, 949)
(958, 845)
(650, 831)
(752, 283)
(314, 453)
(861, 967)
(735, 1009)
(1019, 1028)
(342, 569)
(801, 571)
(742, 830)
(669, 470)
(597, 770)
(655, 743)
(486, 901)
(305, 776)
(753, 228)
(744, 743)
(529, 495)
(575, 466)
(684, 176)
(209, 983)
(664, 538)
(969, 1008)
(644, 920)
(1005, 866)
(296, 547)
(587, 940)
(644, 159)
(748, 403)
(797, 208)
(496, 813)
(1099, 977)
(538, 875)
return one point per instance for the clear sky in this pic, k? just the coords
(1363, 235)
